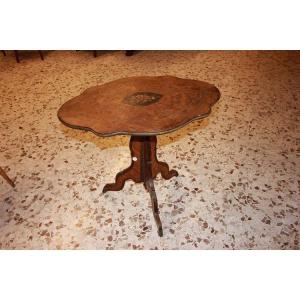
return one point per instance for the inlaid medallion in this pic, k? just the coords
(142, 98)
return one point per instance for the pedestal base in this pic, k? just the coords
(144, 168)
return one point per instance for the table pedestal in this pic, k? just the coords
(144, 168)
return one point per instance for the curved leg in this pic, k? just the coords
(165, 172)
(119, 183)
(150, 188)
(133, 172)
(159, 166)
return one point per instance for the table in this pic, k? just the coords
(142, 107)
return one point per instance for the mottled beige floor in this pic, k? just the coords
(238, 186)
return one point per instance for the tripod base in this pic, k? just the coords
(144, 168)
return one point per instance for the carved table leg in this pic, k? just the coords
(3, 174)
(146, 171)
(134, 172)
(150, 188)
(144, 168)
(121, 177)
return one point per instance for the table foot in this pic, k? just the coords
(160, 232)
(165, 172)
(119, 183)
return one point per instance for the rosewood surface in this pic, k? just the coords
(139, 105)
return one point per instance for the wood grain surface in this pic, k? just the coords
(139, 105)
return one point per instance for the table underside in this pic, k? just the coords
(144, 168)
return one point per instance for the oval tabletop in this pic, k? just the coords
(148, 105)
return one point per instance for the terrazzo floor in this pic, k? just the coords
(238, 183)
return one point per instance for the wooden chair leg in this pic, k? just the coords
(4, 53)
(95, 53)
(41, 55)
(17, 56)
(3, 174)
(129, 52)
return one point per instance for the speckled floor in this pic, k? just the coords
(238, 183)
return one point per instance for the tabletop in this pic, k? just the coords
(145, 105)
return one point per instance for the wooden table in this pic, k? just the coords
(142, 107)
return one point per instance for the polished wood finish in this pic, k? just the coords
(4, 175)
(142, 107)
(127, 106)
